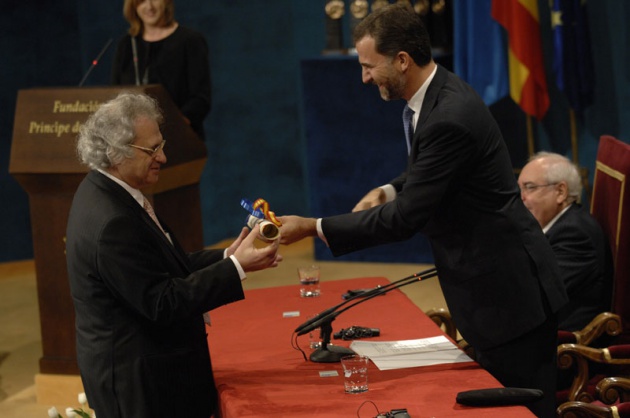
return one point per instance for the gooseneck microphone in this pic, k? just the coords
(332, 354)
(379, 290)
(95, 61)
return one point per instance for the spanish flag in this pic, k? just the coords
(528, 85)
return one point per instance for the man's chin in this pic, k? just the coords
(386, 95)
(153, 179)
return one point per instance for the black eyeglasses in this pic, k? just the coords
(150, 151)
(530, 187)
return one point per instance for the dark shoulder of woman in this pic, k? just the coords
(189, 33)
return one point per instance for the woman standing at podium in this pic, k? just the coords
(157, 50)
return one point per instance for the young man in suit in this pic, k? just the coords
(139, 298)
(550, 188)
(496, 268)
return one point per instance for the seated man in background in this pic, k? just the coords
(550, 188)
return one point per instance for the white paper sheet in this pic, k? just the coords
(402, 354)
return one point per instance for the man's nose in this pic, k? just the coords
(366, 77)
(161, 156)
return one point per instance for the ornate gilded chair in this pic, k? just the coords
(610, 205)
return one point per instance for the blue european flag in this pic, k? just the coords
(479, 49)
(572, 60)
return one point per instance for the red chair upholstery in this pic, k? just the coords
(610, 205)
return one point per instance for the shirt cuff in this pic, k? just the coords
(241, 272)
(320, 231)
(390, 192)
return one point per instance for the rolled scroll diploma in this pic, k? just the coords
(267, 231)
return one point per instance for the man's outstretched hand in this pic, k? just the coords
(252, 258)
(295, 228)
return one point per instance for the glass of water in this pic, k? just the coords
(309, 281)
(355, 373)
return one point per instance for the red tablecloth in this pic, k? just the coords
(259, 374)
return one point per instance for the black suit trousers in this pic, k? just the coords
(528, 362)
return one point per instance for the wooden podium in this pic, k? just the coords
(45, 163)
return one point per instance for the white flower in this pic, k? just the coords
(82, 399)
(70, 413)
(53, 413)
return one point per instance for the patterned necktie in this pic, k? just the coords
(407, 124)
(147, 206)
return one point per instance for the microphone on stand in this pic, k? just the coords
(95, 61)
(330, 314)
(332, 354)
(377, 290)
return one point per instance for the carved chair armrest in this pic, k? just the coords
(443, 318)
(467, 348)
(611, 389)
(587, 410)
(580, 355)
(605, 322)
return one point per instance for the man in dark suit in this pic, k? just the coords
(496, 269)
(550, 188)
(139, 298)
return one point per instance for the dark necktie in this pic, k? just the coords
(408, 125)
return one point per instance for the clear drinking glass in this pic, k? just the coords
(309, 281)
(355, 373)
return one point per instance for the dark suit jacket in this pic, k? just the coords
(496, 268)
(585, 264)
(141, 339)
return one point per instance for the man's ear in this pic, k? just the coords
(563, 191)
(404, 60)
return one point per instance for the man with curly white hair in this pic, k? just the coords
(139, 298)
